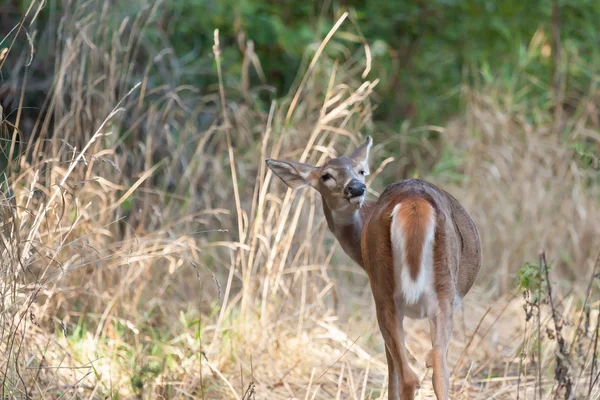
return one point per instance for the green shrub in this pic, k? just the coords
(422, 51)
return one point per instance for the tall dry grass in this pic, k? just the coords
(148, 252)
(526, 189)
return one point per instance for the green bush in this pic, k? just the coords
(422, 51)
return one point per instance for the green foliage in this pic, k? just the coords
(421, 50)
(587, 155)
(144, 374)
(448, 167)
(532, 280)
(589, 159)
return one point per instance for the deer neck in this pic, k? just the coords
(347, 228)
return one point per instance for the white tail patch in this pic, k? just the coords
(413, 290)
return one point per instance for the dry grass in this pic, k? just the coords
(147, 252)
(526, 190)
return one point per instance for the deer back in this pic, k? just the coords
(455, 244)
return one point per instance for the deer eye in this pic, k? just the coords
(325, 177)
(362, 172)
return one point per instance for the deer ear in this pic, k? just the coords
(295, 175)
(361, 155)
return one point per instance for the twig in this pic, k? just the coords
(280, 380)
(557, 79)
(220, 375)
(236, 194)
(199, 333)
(594, 358)
(587, 297)
(561, 371)
(539, 336)
(73, 386)
(470, 341)
(249, 393)
(521, 356)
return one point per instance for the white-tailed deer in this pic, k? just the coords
(418, 245)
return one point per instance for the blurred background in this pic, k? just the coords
(147, 252)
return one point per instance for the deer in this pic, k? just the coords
(417, 244)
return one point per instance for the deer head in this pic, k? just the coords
(340, 181)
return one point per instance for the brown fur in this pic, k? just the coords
(457, 259)
(412, 219)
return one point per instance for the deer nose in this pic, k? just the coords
(355, 188)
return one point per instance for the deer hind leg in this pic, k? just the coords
(392, 376)
(390, 324)
(441, 332)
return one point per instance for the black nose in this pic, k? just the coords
(355, 188)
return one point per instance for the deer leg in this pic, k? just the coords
(390, 324)
(392, 376)
(441, 332)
